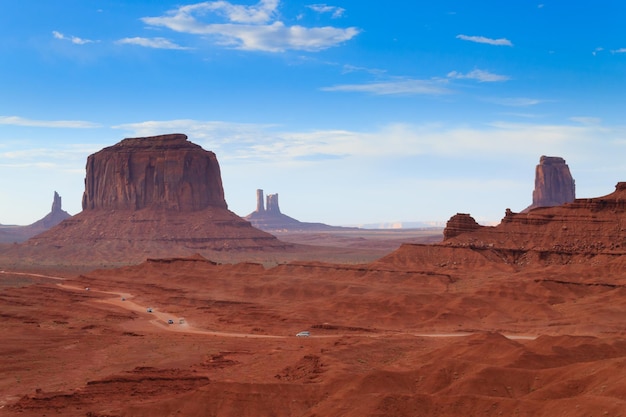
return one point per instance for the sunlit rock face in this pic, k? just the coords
(159, 172)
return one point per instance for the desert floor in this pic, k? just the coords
(388, 337)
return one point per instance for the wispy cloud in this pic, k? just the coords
(66, 124)
(400, 86)
(515, 101)
(157, 43)
(74, 39)
(619, 51)
(324, 8)
(482, 39)
(252, 28)
(252, 142)
(586, 120)
(479, 75)
(346, 69)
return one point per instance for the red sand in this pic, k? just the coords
(537, 342)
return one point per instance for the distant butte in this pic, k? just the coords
(147, 197)
(554, 184)
(269, 218)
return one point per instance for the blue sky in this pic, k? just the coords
(353, 112)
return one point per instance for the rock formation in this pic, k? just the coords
(150, 197)
(21, 233)
(576, 232)
(459, 223)
(161, 172)
(268, 217)
(56, 215)
(554, 184)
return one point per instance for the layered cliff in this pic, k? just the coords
(585, 232)
(572, 232)
(458, 224)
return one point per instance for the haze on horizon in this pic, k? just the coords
(352, 113)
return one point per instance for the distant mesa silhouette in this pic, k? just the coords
(12, 234)
(150, 197)
(268, 217)
(554, 184)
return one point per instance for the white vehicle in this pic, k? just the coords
(303, 334)
(149, 310)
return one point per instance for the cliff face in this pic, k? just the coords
(160, 172)
(554, 184)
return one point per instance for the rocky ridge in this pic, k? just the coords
(585, 230)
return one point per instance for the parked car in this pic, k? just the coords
(303, 334)
(149, 310)
(170, 321)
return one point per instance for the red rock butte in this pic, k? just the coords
(160, 172)
(144, 198)
(554, 184)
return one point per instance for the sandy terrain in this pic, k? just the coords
(400, 336)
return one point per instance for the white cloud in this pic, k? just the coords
(68, 124)
(619, 51)
(347, 68)
(157, 43)
(479, 75)
(401, 86)
(324, 8)
(262, 12)
(74, 39)
(252, 28)
(253, 142)
(489, 41)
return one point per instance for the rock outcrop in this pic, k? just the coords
(459, 223)
(11, 234)
(149, 197)
(56, 215)
(585, 233)
(161, 172)
(554, 184)
(576, 232)
(268, 217)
